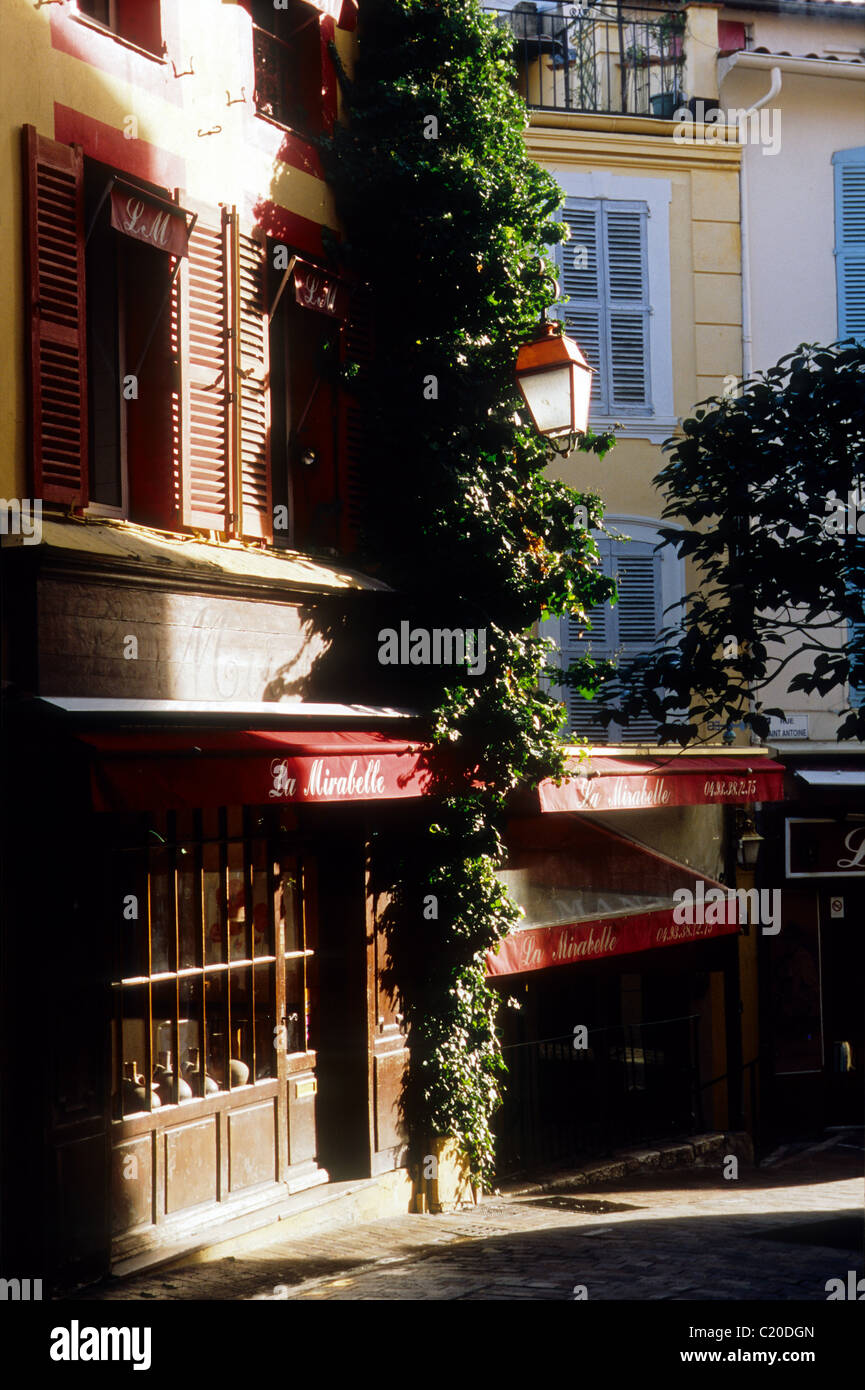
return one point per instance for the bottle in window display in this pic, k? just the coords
(192, 1071)
(163, 1081)
(135, 1091)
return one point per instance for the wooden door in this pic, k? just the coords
(388, 1044)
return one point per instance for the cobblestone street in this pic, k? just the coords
(776, 1234)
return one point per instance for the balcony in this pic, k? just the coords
(609, 58)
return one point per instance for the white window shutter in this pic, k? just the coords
(582, 289)
(581, 281)
(626, 252)
(628, 306)
(628, 360)
(585, 326)
(855, 693)
(594, 637)
(638, 576)
(639, 598)
(604, 276)
(629, 627)
(850, 241)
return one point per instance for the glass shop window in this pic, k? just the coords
(299, 958)
(207, 907)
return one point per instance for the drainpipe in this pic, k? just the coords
(773, 91)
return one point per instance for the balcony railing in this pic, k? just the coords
(604, 58)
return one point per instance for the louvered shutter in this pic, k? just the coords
(606, 300)
(627, 628)
(850, 241)
(54, 203)
(638, 617)
(582, 290)
(251, 434)
(207, 493)
(628, 304)
(856, 693)
(593, 637)
(637, 608)
(356, 347)
(578, 640)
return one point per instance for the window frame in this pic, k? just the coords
(186, 488)
(656, 194)
(313, 123)
(112, 31)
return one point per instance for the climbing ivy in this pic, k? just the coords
(447, 221)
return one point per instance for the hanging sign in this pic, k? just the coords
(314, 289)
(135, 215)
(822, 848)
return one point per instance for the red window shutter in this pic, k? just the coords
(252, 383)
(207, 490)
(731, 36)
(357, 349)
(54, 203)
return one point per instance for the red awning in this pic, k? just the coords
(588, 893)
(148, 770)
(619, 784)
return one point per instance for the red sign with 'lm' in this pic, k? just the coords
(136, 216)
(313, 289)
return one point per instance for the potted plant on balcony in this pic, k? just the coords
(665, 104)
(668, 32)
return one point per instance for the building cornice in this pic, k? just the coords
(623, 141)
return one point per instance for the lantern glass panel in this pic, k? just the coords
(582, 398)
(548, 396)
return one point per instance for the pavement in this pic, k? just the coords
(776, 1232)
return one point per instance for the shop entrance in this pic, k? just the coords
(633, 1075)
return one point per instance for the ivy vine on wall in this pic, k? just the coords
(446, 220)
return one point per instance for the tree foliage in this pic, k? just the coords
(768, 482)
(447, 221)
